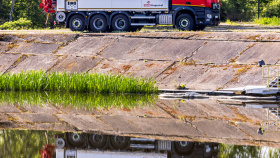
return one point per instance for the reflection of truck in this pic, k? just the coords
(125, 15)
(80, 145)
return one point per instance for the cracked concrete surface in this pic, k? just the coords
(207, 61)
(190, 58)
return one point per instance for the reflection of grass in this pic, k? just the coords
(76, 82)
(79, 100)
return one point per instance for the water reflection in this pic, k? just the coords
(32, 144)
(23, 143)
(183, 121)
(79, 100)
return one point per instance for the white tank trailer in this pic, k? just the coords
(113, 5)
(129, 15)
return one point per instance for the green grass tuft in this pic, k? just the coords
(75, 82)
(273, 21)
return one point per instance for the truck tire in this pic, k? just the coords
(97, 140)
(120, 23)
(184, 147)
(119, 142)
(76, 139)
(185, 22)
(77, 23)
(98, 23)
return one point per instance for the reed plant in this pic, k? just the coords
(75, 82)
(77, 100)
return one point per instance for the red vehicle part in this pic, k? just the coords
(47, 152)
(195, 3)
(48, 6)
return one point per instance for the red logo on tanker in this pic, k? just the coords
(148, 4)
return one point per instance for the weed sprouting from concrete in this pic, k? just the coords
(75, 82)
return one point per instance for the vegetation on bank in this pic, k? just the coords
(273, 21)
(78, 100)
(75, 82)
(21, 24)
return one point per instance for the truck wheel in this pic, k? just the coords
(185, 22)
(97, 140)
(98, 23)
(77, 23)
(184, 147)
(120, 23)
(60, 143)
(76, 139)
(119, 142)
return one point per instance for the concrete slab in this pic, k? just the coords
(150, 126)
(268, 51)
(44, 126)
(147, 69)
(34, 48)
(85, 122)
(7, 60)
(151, 111)
(251, 114)
(38, 37)
(76, 64)
(237, 36)
(77, 111)
(218, 129)
(8, 108)
(181, 74)
(142, 111)
(217, 76)
(4, 46)
(86, 46)
(33, 118)
(39, 62)
(219, 52)
(121, 125)
(39, 109)
(253, 77)
(4, 118)
(49, 38)
(182, 109)
(123, 48)
(251, 129)
(54, 127)
(170, 127)
(164, 49)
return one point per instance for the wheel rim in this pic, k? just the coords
(98, 23)
(184, 23)
(184, 143)
(119, 140)
(76, 137)
(77, 23)
(97, 138)
(120, 23)
(60, 143)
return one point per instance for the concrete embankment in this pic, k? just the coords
(204, 61)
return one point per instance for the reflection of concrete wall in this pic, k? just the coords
(192, 120)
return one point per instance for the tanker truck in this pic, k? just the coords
(85, 145)
(126, 15)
